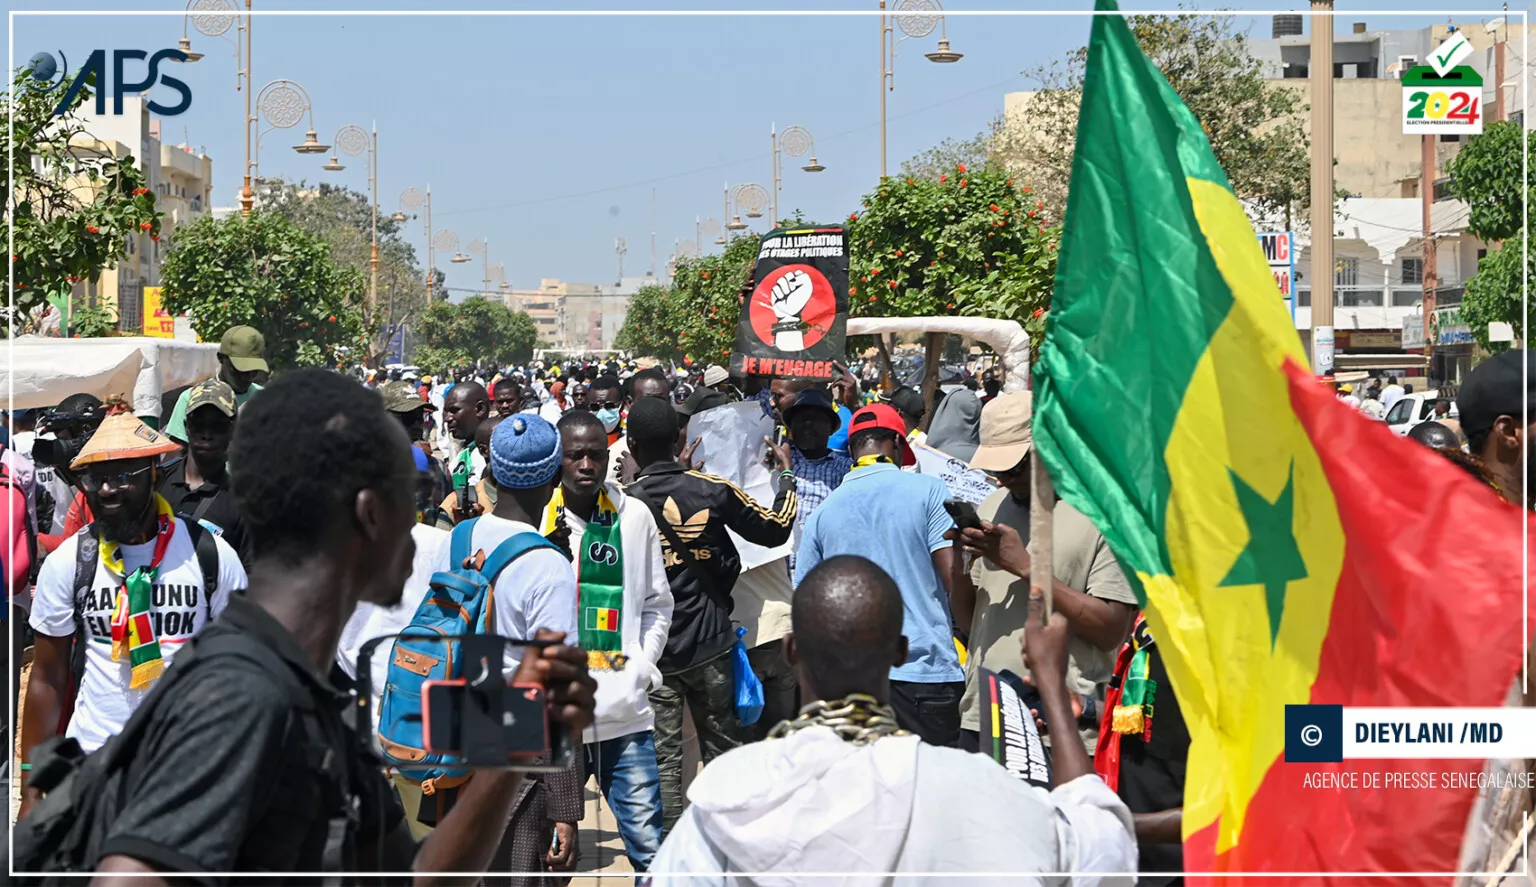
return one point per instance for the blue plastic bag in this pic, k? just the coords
(749, 690)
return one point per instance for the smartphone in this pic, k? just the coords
(963, 513)
(453, 713)
(465, 505)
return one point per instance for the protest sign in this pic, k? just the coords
(964, 482)
(795, 322)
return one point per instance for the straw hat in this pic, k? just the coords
(122, 436)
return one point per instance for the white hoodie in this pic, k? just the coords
(886, 813)
(622, 704)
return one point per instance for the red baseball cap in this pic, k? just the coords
(879, 415)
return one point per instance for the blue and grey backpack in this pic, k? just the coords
(460, 601)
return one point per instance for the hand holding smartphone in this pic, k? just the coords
(963, 513)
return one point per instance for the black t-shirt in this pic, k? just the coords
(230, 776)
(212, 503)
(1152, 773)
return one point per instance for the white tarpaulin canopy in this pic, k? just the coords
(40, 372)
(1006, 337)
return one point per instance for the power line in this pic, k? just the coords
(719, 166)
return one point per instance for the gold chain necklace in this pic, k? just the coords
(855, 718)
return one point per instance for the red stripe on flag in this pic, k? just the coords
(143, 630)
(1427, 613)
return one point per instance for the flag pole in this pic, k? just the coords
(1042, 505)
(1042, 509)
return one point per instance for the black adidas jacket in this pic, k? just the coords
(699, 507)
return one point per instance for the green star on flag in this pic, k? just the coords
(1272, 558)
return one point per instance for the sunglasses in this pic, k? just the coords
(93, 482)
(606, 405)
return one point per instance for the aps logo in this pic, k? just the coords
(47, 74)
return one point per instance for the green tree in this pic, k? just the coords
(1254, 126)
(966, 243)
(696, 317)
(475, 331)
(343, 218)
(264, 271)
(1486, 175)
(72, 208)
(975, 152)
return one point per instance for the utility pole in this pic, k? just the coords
(1321, 75)
(1431, 267)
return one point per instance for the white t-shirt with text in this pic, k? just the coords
(179, 611)
(538, 590)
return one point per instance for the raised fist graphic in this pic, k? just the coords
(788, 298)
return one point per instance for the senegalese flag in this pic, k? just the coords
(1286, 549)
(602, 619)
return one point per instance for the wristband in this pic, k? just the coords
(25, 766)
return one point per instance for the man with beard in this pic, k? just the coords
(197, 487)
(465, 407)
(246, 762)
(130, 589)
(1491, 403)
(241, 361)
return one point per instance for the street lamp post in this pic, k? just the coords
(412, 199)
(283, 103)
(482, 248)
(915, 18)
(703, 228)
(353, 140)
(749, 199)
(794, 141)
(243, 81)
(214, 18)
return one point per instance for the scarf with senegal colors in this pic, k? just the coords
(599, 580)
(133, 629)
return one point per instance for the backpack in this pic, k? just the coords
(87, 556)
(65, 830)
(459, 601)
(7, 481)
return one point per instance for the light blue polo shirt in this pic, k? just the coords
(896, 519)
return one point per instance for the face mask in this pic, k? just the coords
(609, 418)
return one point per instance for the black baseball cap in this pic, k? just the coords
(908, 400)
(1496, 387)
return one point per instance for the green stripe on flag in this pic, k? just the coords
(1137, 298)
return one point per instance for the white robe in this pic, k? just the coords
(813, 803)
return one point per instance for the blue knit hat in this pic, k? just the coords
(525, 452)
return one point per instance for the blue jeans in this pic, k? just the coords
(631, 783)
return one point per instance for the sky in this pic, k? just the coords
(550, 136)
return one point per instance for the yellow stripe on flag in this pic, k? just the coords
(1234, 675)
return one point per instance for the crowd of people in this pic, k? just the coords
(272, 531)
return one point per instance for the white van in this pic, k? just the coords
(1411, 409)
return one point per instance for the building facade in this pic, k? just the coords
(576, 316)
(181, 178)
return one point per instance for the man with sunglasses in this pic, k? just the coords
(1088, 586)
(130, 588)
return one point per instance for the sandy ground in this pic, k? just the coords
(600, 848)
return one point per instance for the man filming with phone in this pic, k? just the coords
(1088, 585)
(244, 760)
